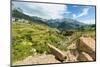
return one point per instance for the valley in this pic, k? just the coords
(31, 34)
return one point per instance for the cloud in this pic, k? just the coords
(83, 13)
(75, 6)
(43, 10)
(67, 12)
(88, 21)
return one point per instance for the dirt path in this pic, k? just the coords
(45, 59)
(38, 59)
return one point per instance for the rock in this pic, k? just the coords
(71, 46)
(87, 44)
(57, 53)
(71, 55)
(84, 57)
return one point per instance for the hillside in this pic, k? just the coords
(31, 34)
(64, 24)
(30, 39)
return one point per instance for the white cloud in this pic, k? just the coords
(43, 10)
(74, 16)
(51, 10)
(88, 21)
(75, 6)
(84, 13)
(67, 12)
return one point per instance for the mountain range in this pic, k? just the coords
(65, 23)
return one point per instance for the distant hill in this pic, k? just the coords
(56, 23)
(17, 13)
(20, 15)
(66, 23)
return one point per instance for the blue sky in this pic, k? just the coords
(85, 14)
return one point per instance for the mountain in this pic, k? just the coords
(89, 27)
(18, 14)
(65, 23)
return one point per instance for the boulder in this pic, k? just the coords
(83, 56)
(57, 53)
(87, 44)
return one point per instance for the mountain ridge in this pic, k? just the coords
(65, 23)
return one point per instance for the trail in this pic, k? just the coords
(46, 59)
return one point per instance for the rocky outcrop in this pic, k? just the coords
(83, 50)
(57, 53)
(86, 47)
(84, 57)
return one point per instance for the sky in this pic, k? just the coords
(82, 13)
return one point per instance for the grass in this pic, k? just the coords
(30, 39)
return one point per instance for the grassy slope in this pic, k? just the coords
(29, 39)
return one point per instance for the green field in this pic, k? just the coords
(32, 38)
